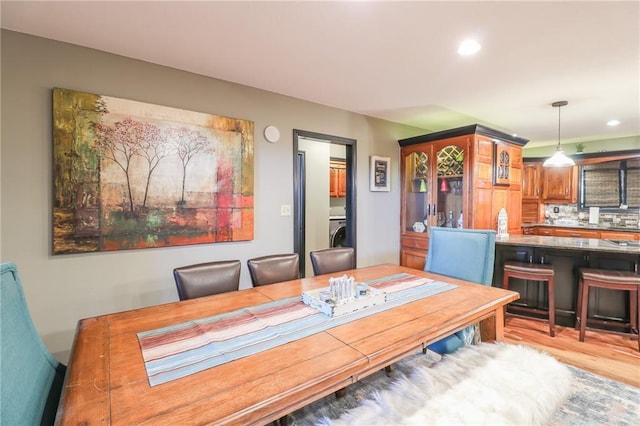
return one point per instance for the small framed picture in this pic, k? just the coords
(379, 179)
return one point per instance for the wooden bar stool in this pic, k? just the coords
(611, 280)
(534, 272)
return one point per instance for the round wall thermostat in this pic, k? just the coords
(272, 134)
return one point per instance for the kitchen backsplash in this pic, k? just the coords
(569, 214)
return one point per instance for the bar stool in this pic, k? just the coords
(611, 280)
(534, 272)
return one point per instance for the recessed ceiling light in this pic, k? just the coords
(469, 47)
(613, 123)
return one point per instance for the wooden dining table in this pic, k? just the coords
(106, 381)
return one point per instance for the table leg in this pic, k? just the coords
(492, 328)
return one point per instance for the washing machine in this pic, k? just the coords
(337, 231)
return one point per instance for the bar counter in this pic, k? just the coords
(609, 308)
(585, 226)
(567, 243)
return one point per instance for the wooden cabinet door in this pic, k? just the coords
(558, 184)
(514, 211)
(412, 259)
(531, 181)
(342, 182)
(333, 182)
(337, 179)
(531, 211)
(450, 161)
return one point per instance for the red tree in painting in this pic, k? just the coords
(119, 143)
(153, 148)
(188, 143)
(128, 138)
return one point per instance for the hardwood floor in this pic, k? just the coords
(606, 354)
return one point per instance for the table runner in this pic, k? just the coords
(180, 350)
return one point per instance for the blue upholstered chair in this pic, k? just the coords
(467, 254)
(31, 378)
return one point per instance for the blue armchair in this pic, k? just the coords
(31, 378)
(467, 254)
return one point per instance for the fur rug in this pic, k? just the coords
(490, 384)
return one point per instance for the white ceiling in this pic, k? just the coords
(393, 60)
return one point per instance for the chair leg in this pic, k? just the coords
(505, 285)
(552, 308)
(340, 393)
(638, 314)
(579, 303)
(387, 370)
(633, 311)
(583, 311)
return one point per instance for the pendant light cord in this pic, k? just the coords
(559, 105)
(559, 108)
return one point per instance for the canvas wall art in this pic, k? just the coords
(131, 175)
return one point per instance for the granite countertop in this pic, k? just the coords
(570, 243)
(598, 227)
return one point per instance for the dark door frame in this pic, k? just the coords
(299, 190)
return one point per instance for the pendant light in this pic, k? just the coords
(558, 159)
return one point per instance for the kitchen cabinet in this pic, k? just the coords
(528, 230)
(546, 231)
(337, 179)
(576, 233)
(559, 184)
(460, 176)
(555, 185)
(532, 207)
(532, 211)
(556, 231)
(531, 181)
(612, 235)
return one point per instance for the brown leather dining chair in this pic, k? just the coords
(205, 279)
(330, 260)
(274, 268)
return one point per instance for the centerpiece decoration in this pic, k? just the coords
(343, 296)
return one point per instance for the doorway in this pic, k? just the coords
(313, 206)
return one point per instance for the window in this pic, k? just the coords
(611, 184)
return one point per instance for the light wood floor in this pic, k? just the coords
(606, 354)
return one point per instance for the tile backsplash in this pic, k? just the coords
(569, 214)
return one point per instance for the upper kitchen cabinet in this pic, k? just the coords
(532, 207)
(457, 178)
(531, 181)
(559, 184)
(337, 179)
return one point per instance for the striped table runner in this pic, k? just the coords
(179, 350)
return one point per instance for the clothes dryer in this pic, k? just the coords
(337, 232)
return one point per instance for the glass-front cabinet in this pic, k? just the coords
(433, 188)
(450, 172)
(433, 192)
(417, 191)
(438, 188)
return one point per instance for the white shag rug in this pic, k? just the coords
(484, 384)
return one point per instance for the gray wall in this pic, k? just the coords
(63, 289)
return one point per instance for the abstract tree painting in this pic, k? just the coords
(130, 175)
